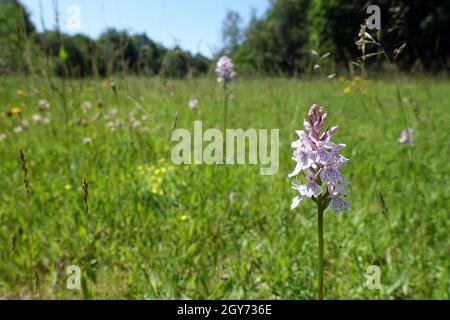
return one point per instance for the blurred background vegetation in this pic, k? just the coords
(153, 230)
(280, 42)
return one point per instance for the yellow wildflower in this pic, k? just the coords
(348, 89)
(13, 111)
(156, 188)
(184, 217)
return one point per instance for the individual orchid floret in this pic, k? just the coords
(319, 162)
(225, 70)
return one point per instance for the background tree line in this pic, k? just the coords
(114, 52)
(289, 39)
(292, 35)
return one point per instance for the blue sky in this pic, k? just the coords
(195, 25)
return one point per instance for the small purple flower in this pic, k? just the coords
(318, 158)
(193, 103)
(113, 113)
(407, 136)
(225, 70)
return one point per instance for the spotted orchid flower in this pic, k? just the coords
(225, 70)
(319, 161)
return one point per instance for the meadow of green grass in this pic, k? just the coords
(160, 231)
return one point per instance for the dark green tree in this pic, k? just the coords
(232, 33)
(16, 30)
(423, 25)
(175, 64)
(277, 43)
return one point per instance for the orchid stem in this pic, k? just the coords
(320, 234)
(225, 123)
(225, 109)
